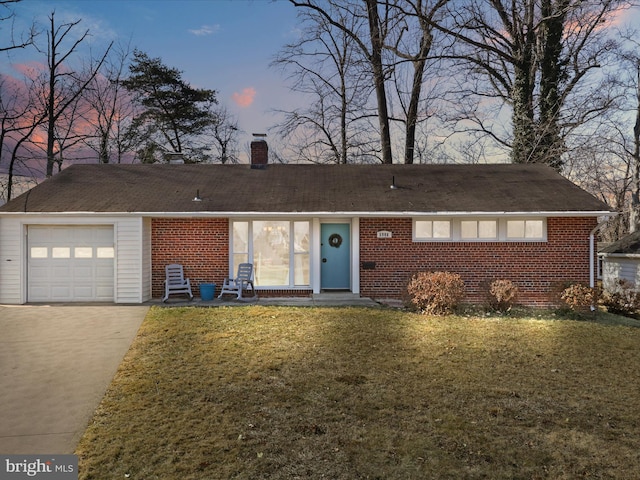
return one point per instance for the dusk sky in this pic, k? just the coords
(225, 45)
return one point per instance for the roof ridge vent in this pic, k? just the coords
(175, 158)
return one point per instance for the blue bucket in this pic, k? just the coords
(207, 291)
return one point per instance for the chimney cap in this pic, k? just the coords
(259, 135)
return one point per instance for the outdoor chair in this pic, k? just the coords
(175, 282)
(242, 282)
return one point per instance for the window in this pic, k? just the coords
(39, 252)
(525, 229)
(271, 252)
(105, 252)
(240, 244)
(278, 249)
(60, 252)
(432, 229)
(301, 258)
(482, 229)
(83, 252)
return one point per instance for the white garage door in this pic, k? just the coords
(70, 263)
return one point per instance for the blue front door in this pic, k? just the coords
(335, 269)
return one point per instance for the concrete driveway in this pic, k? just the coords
(55, 365)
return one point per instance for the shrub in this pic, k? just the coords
(623, 299)
(502, 295)
(578, 297)
(436, 293)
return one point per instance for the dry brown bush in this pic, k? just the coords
(623, 299)
(578, 297)
(436, 293)
(503, 295)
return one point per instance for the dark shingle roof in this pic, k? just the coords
(629, 244)
(306, 188)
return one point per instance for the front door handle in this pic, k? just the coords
(324, 260)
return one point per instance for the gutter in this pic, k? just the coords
(307, 214)
(620, 255)
(592, 251)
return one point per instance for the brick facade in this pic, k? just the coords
(538, 268)
(201, 245)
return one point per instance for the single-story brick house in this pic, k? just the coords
(106, 232)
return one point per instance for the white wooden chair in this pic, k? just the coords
(243, 281)
(175, 282)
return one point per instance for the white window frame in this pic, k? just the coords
(455, 229)
(431, 238)
(526, 238)
(293, 251)
(477, 237)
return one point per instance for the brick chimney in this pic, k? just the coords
(259, 151)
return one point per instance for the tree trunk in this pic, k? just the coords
(523, 124)
(379, 80)
(524, 128)
(634, 217)
(51, 99)
(551, 71)
(416, 91)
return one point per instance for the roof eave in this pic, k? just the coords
(407, 213)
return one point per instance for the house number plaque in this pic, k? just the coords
(384, 234)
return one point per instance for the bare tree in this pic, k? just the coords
(110, 109)
(64, 85)
(225, 131)
(602, 167)
(326, 67)
(7, 15)
(377, 34)
(605, 160)
(371, 47)
(537, 56)
(411, 41)
(631, 147)
(20, 116)
(635, 219)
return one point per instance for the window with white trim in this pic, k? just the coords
(479, 229)
(431, 230)
(278, 249)
(525, 229)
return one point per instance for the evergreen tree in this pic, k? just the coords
(172, 114)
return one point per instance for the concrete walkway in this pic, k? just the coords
(55, 364)
(338, 299)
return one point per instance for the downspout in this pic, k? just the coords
(592, 253)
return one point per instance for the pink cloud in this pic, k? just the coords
(29, 69)
(245, 98)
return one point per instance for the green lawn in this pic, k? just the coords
(353, 393)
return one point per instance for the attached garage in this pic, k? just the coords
(70, 263)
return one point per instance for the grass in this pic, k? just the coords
(352, 393)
